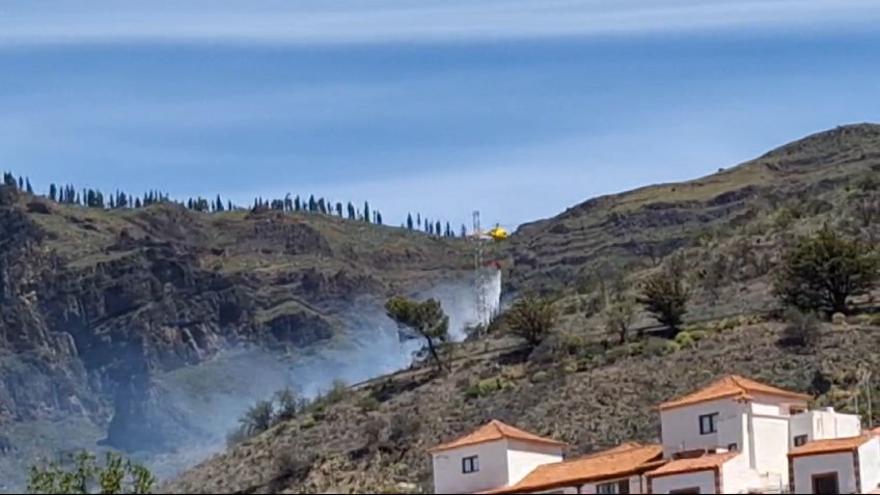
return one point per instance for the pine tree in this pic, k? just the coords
(112, 202)
(321, 206)
(448, 230)
(379, 218)
(351, 211)
(437, 228)
(297, 204)
(419, 219)
(137, 202)
(219, 204)
(313, 205)
(27, 184)
(339, 210)
(366, 212)
(463, 231)
(53, 192)
(20, 184)
(229, 205)
(409, 221)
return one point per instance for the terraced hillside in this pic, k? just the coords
(724, 233)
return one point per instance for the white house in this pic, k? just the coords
(734, 435)
(744, 421)
(840, 465)
(617, 470)
(495, 455)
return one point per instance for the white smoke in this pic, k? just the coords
(215, 394)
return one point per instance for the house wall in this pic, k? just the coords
(524, 457)
(680, 427)
(493, 473)
(771, 446)
(635, 485)
(704, 480)
(823, 425)
(805, 467)
(738, 477)
(869, 465)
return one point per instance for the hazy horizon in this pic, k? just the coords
(440, 109)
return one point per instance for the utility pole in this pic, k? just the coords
(866, 382)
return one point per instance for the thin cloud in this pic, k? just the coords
(347, 21)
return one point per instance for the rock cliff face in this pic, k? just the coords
(94, 304)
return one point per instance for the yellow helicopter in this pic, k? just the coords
(498, 233)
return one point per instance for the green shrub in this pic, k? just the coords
(801, 329)
(684, 340)
(485, 387)
(698, 335)
(368, 403)
(86, 476)
(659, 347)
(539, 377)
(308, 422)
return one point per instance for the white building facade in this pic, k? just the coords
(735, 435)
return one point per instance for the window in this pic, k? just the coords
(800, 440)
(615, 488)
(686, 490)
(825, 483)
(707, 423)
(733, 447)
(470, 464)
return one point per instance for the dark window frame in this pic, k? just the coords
(800, 440)
(470, 464)
(711, 427)
(816, 478)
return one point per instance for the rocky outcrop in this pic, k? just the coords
(92, 308)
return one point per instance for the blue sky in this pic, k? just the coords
(517, 108)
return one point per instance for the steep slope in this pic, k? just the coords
(728, 228)
(94, 304)
(591, 405)
(647, 224)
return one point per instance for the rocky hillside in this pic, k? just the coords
(95, 303)
(649, 223)
(724, 232)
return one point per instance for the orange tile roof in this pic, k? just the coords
(732, 386)
(818, 447)
(623, 460)
(690, 465)
(495, 430)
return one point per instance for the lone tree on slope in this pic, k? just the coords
(426, 318)
(665, 296)
(821, 272)
(532, 318)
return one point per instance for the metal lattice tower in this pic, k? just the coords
(482, 306)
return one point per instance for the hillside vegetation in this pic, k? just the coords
(96, 304)
(596, 377)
